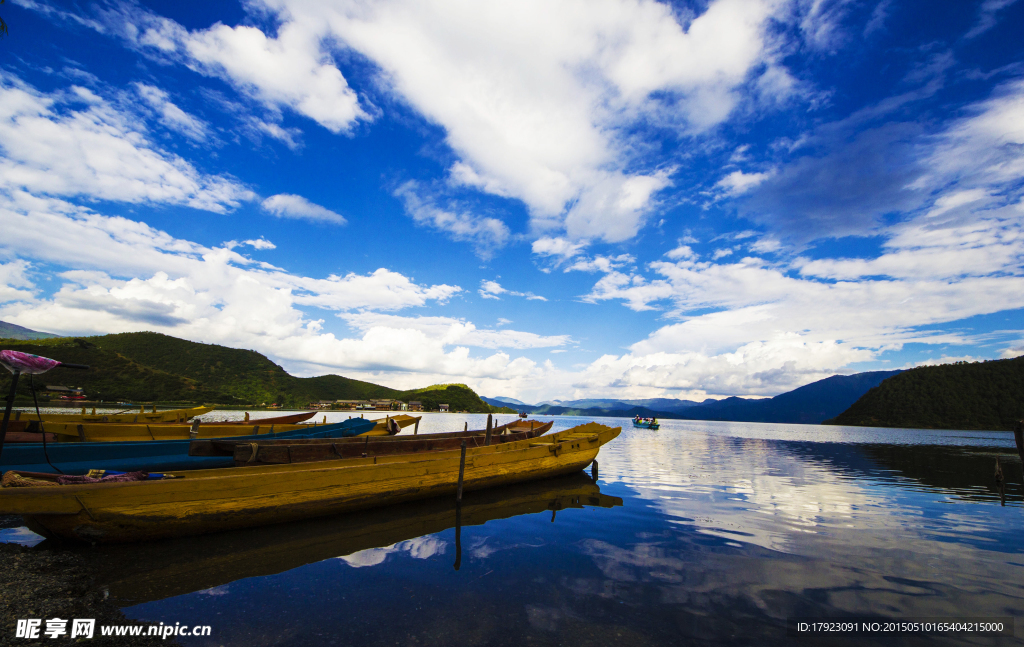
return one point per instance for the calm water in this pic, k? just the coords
(701, 532)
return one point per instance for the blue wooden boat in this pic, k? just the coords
(150, 456)
(646, 423)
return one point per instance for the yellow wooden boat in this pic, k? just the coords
(202, 501)
(141, 416)
(148, 572)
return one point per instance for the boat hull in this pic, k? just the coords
(215, 500)
(138, 417)
(149, 456)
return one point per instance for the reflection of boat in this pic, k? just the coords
(201, 501)
(151, 456)
(646, 423)
(142, 416)
(155, 571)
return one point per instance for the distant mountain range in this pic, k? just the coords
(14, 331)
(810, 404)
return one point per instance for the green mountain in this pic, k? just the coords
(979, 395)
(150, 367)
(13, 331)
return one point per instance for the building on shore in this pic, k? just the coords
(443, 408)
(415, 405)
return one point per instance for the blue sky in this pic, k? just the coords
(611, 198)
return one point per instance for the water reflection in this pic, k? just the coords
(157, 570)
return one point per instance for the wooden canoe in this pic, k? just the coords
(226, 446)
(149, 456)
(149, 572)
(202, 501)
(27, 431)
(278, 452)
(290, 419)
(116, 432)
(142, 416)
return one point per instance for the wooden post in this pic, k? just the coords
(416, 426)
(94, 411)
(466, 428)
(1018, 437)
(154, 408)
(593, 471)
(83, 411)
(142, 408)
(7, 411)
(1000, 483)
(193, 431)
(246, 416)
(487, 438)
(462, 472)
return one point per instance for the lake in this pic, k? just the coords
(700, 532)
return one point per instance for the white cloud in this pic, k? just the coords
(171, 115)
(559, 247)
(487, 234)
(1013, 351)
(15, 284)
(293, 70)
(127, 276)
(491, 290)
(537, 98)
(987, 16)
(286, 205)
(260, 243)
(738, 182)
(601, 263)
(683, 251)
(76, 144)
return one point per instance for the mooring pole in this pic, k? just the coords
(593, 471)
(487, 437)
(466, 428)
(10, 405)
(1000, 483)
(1018, 437)
(416, 427)
(462, 473)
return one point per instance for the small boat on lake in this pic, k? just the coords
(646, 423)
(202, 501)
(149, 455)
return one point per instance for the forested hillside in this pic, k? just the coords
(980, 395)
(150, 367)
